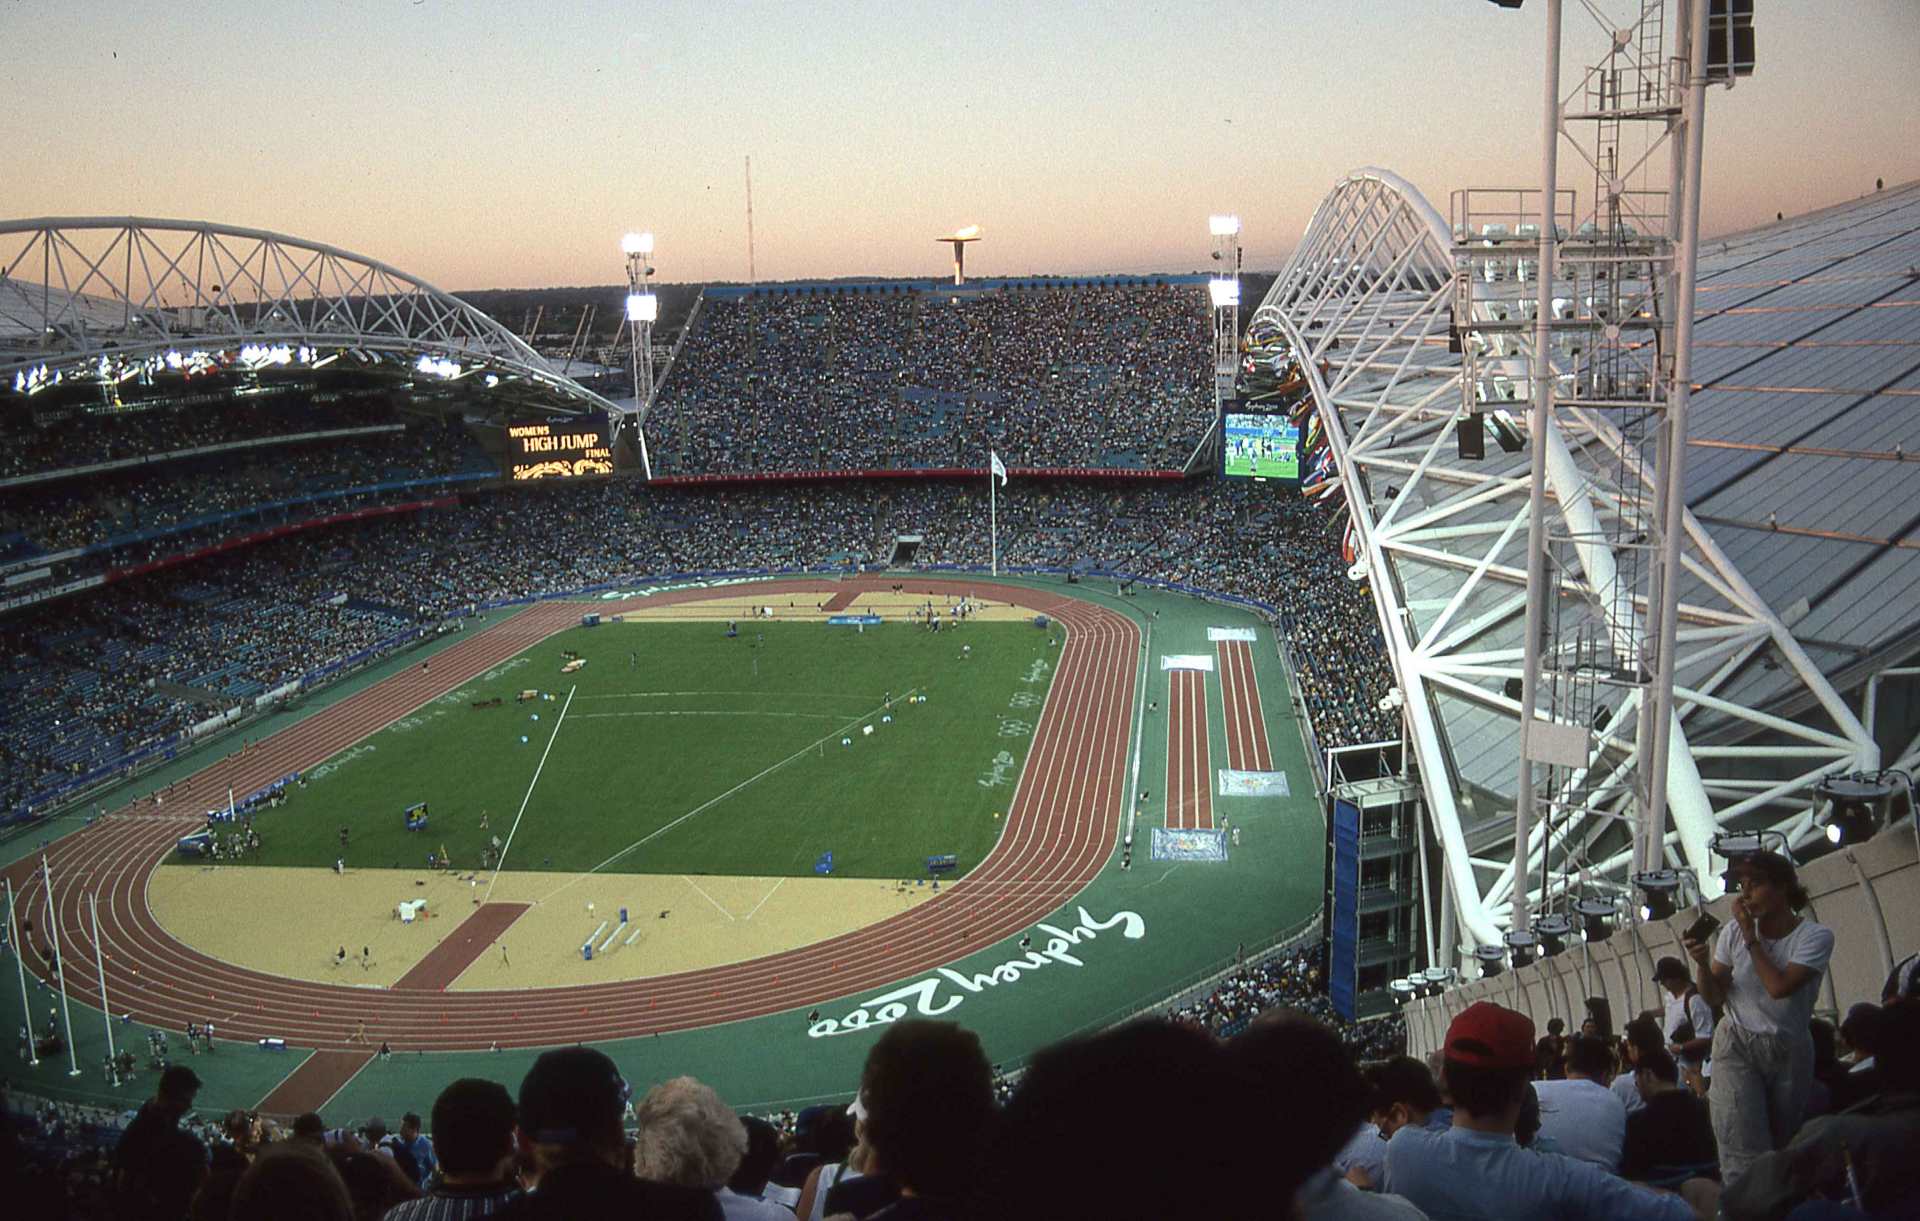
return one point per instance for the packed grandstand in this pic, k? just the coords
(372, 521)
(171, 567)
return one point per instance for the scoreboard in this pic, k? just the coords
(1260, 447)
(558, 449)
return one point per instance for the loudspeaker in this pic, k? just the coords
(1470, 433)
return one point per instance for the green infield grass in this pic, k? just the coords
(675, 749)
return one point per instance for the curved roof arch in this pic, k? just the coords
(1368, 302)
(103, 291)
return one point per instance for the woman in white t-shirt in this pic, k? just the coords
(1764, 975)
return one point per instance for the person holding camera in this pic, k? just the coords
(1763, 973)
(1687, 1022)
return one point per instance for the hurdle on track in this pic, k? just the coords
(634, 935)
(613, 936)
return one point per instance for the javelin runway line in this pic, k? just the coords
(1059, 831)
(551, 739)
(758, 776)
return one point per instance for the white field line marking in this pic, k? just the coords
(661, 695)
(1139, 724)
(796, 716)
(551, 739)
(709, 898)
(763, 899)
(710, 802)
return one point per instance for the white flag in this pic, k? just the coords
(996, 468)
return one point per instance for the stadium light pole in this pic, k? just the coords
(1224, 292)
(59, 968)
(643, 309)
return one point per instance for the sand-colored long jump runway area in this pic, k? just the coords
(1060, 829)
(296, 922)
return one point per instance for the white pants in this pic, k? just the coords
(1758, 1094)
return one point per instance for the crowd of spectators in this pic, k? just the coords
(1278, 1115)
(238, 625)
(137, 502)
(1047, 374)
(1294, 979)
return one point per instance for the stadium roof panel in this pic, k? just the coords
(1803, 567)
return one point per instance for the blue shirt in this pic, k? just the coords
(1464, 1175)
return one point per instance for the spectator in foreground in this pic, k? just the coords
(1763, 973)
(291, 1181)
(158, 1166)
(580, 1164)
(928, 1092)
(1687, 1022)
(1285, 1055)
(1477, 1170)
(1670, 1138)
(1082, 1100)
(1641, 1038)
(749, 1181)
(473, 1144)
(689, 1137)
(1580, 1115)
(1872, 1144)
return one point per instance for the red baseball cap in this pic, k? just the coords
(1485, 1035)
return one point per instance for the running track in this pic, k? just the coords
(1247, 747)
(1189, 767)
(1060, 829)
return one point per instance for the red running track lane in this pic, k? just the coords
(1060, 829)
(458, 950)
(311, 1086)
(1247, 746)
(1189, 782)
(840, 601)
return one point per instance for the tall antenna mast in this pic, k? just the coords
(750, 277)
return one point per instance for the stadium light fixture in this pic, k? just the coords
(1223, 226)
(1492, 959)
(637, 243)
(1659, 893)
(1596, 918)
(1223, 293)
(643, 307)
(1520, 943)
(1553, 929)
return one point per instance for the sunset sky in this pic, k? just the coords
(485, 144)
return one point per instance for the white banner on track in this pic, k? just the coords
(1253, 784)
(1186, 661)
(1232, 633)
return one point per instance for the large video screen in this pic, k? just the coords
(558, 449)
(1261, 447)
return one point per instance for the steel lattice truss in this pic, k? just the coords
(94, 296)
(1366, 301)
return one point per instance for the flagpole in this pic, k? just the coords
(59, 966)
(20, 967)
(100, 965)
(993, 517)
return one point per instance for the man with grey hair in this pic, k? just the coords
(689, 1137)
(578, 1158)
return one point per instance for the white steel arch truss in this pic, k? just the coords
(102, 293)
(1366, 301)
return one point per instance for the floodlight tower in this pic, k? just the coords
(958, 239)
(1224, 291)
(643, 309)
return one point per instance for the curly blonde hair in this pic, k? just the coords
(688, 1136)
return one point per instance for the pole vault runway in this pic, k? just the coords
(1060, 829)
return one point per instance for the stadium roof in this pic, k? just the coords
(1804, 453)
(132, 301)
(1801, 546)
